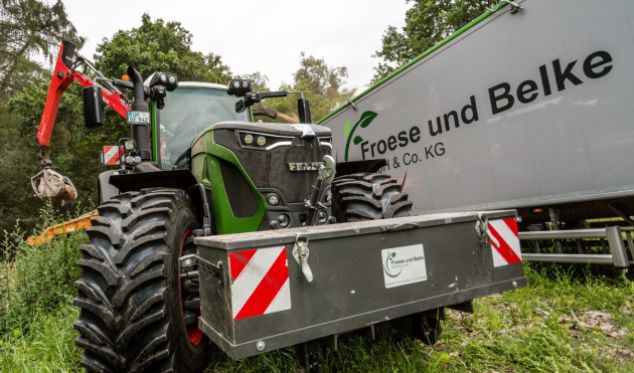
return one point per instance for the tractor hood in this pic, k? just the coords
(284, 157)
(280, 129)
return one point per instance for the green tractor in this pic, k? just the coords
(197, 164)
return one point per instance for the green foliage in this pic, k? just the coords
(562, 322)
(157, 45)
(16, 197)
(28, 28)
(35, 280)
(426, 23)
(260, 81)
(48, 346)
(154, 45)
(321, 84)
(74, 150)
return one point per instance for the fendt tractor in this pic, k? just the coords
(215, 231)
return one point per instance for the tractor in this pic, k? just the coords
(196, 164)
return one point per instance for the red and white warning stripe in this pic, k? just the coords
(505, 241)
(111, 155)
(260, 283)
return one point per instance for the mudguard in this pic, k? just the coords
(368, 165)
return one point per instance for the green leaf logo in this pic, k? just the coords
(347, 128)
(367, 118)
(364, 121)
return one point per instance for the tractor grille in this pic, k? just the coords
(269, 168)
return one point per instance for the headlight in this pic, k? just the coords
(273, 199)
(261, 141)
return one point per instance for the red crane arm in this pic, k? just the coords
(63, 76)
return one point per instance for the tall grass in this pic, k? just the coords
(545, 327)
(564, 321)
(36, 292)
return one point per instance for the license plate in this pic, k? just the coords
(138, 117)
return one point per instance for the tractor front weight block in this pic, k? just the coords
(266, 290)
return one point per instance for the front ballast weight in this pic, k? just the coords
(261, 291)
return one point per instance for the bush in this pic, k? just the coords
(36, 292)
(39, 279)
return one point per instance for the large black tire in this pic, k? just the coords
(132, 313)
(368, 196)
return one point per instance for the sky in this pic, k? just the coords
(264, 36)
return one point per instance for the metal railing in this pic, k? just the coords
(614, 235)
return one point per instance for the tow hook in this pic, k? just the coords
(482, 229)
(301, 253)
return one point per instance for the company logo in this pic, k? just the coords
(366, 118)
(304, 166)
(403, 265)
(390, 267)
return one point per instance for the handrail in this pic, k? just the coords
(617, 257)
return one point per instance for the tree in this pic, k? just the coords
(427, 22)
(260, 81)
(321, 84)
(157, 45)
(28, 28)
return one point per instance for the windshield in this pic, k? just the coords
(187, 112)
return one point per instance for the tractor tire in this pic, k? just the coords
(134, 302)
(368, 196)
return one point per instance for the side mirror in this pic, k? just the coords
(239, 87)
(93, 107)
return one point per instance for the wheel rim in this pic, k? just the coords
(188, 288)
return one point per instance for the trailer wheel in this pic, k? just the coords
(136, 313)
(368, 196)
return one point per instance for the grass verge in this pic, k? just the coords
(561, 322)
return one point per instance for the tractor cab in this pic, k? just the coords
(189, 110)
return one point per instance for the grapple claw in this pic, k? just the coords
(51, 184)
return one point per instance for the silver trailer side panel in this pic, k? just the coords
(521, 109)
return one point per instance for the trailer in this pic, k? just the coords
(527, 107)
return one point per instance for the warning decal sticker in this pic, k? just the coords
(505, 242)
(260, 283)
